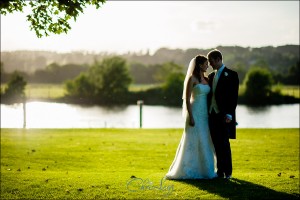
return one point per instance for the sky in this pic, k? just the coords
(141, 26)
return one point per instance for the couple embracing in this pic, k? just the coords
(209, 105)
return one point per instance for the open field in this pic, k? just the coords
(42, 91)
(45, 91)
(139, 87)
(102, 164)
(291, 90)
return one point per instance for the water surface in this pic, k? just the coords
(60, 115)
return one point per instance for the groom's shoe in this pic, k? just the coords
(227, 177)
(220, 175)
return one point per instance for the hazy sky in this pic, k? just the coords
(122, 26)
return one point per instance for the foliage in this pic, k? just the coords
(168, 69)
(98, 163)
(151, 96)
(15, 90)
(258, 84)
(292, 77)
(80, 86)
(106, 82)
(143, 74)
(49, 16)
(111, 79)
(3, 74)
(173, 88)
(240, 68)
(55, 73)
(281, 61)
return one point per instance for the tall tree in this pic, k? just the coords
(49, 16)
(15, 90)
(106, 82)
(111, 78)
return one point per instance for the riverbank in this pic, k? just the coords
(105, 163)
(56, 93)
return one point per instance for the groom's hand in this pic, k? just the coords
(227, 119)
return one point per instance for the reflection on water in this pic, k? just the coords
(60, 115)
(259, 109)
(279, 116)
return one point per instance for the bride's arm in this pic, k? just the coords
(188, 103)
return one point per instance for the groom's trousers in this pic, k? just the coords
(220, 137)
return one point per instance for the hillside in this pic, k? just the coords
(278, 59)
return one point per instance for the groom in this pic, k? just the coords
(222, 102)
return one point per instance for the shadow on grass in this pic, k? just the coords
(238, 189)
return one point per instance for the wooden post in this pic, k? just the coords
(24, 111)
(140, 103)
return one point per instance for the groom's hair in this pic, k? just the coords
(214, 54)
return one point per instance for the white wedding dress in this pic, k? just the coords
(195, 156)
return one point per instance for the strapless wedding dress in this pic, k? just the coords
(195, 156)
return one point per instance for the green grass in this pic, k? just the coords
(42, 91)
(45, 91)
(98, 163)
(140, 87)
(290, 90)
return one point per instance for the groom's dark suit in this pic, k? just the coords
(226, 95)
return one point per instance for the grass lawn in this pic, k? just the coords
(290, 90)
(102, 164)
(44, 91)
(140, 87)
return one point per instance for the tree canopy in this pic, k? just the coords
(105, 82)
(15, 89)
(49, 16)
(258, 84)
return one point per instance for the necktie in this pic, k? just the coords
(215, 81)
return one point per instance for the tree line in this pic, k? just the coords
(107, 82)
(58, 74)
(282, 62)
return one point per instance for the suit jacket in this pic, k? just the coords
(226, 95)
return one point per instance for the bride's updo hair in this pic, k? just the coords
(200, 60)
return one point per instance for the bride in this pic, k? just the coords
(195, 156)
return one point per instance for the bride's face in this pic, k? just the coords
(204, 66)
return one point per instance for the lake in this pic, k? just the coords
(61, 115)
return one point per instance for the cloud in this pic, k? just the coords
(203, 26)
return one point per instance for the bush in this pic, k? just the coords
(80, 87)
(258, 83)
(173, 88)
(106, 82)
